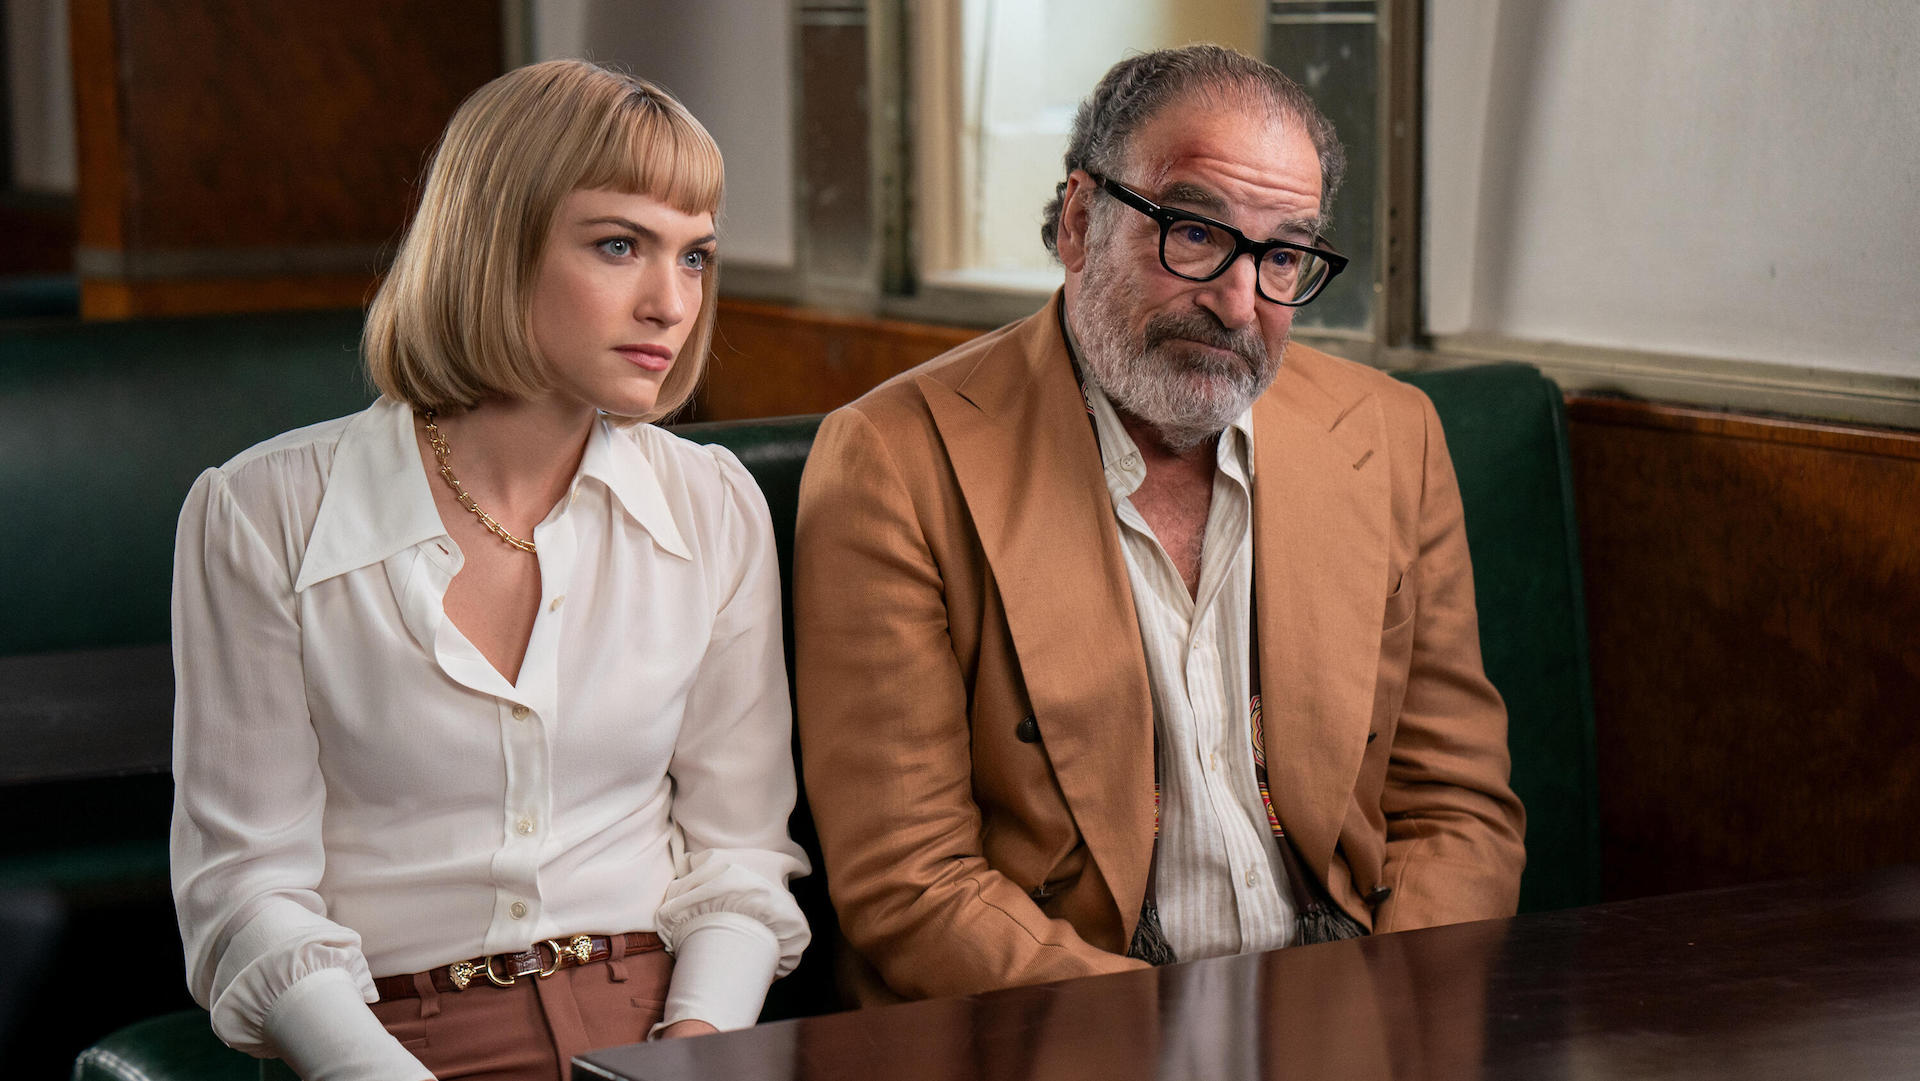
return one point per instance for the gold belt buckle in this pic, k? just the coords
(579, 947)
(463, 973)
(497, 981)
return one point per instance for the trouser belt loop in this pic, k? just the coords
(429, 994)
(617, 963)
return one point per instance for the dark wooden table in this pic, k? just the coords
(1813, 979)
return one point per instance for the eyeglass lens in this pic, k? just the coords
(1196, 250)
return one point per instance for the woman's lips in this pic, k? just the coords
(654, 358)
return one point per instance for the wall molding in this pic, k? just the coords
(1708, 382)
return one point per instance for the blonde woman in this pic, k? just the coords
(482, 731)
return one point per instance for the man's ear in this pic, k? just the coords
(1070, 236)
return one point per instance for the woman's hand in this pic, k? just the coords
(689, 1027)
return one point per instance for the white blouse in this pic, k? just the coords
(360, 793)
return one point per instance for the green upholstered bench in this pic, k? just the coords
(1506, 428)
(172, 1047)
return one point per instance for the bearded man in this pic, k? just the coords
(1129, 632)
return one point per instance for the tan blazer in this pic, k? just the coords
(976, 728)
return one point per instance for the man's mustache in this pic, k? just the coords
(1205, 328)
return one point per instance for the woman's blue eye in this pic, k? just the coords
(696, 260)
(619, 247)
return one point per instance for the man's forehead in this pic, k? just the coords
(1217, 148)
(1266, 184)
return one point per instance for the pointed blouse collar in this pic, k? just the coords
(378, 502)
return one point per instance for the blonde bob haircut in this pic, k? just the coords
(450, 325)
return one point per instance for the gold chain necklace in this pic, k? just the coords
(439, 445)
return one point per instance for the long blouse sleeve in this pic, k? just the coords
(728, 916)
(277, 976)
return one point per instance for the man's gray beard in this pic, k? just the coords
(1150, 377)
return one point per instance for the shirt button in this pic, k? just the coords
(518, 910)
(1252, 878)
(525, 826)
(520, 713)
(1130, 461)
(555, 606)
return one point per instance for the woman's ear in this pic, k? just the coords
(1070, 235)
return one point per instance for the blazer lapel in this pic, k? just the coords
(1025, 457)
(1320, 519)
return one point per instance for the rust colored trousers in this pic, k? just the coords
(532, 1030)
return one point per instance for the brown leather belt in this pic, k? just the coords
(543, 959)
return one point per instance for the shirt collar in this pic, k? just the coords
(616, 458)
(377, 502)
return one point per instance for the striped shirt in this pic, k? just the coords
(1219, 882)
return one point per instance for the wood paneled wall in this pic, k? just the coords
(1753, 593)
(1753, 597)
(237, 155)
(770, 360)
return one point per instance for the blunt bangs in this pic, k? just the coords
(652, 146)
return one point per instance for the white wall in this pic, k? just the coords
(1728, 178)
(730, 62)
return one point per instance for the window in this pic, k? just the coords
(994, 102)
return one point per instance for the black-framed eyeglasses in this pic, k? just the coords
(1200, 249)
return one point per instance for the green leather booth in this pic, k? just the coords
(1506, 427)
(104, 426)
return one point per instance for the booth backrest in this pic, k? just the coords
(1506, 428)
(103, 428)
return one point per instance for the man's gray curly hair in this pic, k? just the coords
(1135, 90)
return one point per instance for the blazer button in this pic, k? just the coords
(1028, 730)
(1378, 895)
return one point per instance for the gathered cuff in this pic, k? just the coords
(322, 1028)
(277, 950)
(716, 887)
(723, 963)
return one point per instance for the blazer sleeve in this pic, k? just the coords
(886, 742)
(1454, 826)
